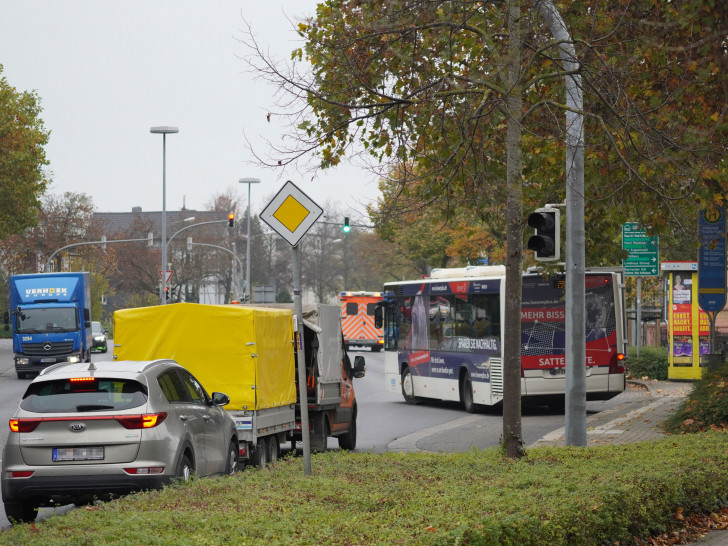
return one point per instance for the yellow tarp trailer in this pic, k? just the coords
(245, 352)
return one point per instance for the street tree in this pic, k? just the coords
(23, 138)
(448, 95)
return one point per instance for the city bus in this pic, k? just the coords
(443, 336)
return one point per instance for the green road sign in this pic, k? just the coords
(644, 251)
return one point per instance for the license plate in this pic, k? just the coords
(61, 454)
(557, 371)
(48, 360)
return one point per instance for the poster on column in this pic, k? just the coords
(682, 321)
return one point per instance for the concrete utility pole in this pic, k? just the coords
(575, 253)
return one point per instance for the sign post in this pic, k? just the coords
(643, 261)
(291, 213)
(712, 265)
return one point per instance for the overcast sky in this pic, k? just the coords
(106, 71)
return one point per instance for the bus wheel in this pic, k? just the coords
(466, 393)
(408, 387)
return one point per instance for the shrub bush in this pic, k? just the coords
(706, 407)
(651, 363)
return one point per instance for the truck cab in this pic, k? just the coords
(50, 318)
(332, 406)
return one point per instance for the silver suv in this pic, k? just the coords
(91, 431)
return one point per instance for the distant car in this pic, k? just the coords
(90, 431)
(98, 335)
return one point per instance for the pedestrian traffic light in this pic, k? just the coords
(546, 241)
(346, 228)
(231, 219)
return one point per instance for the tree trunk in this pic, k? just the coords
(512, 436)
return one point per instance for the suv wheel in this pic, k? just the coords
(21, 511)
(185, 468)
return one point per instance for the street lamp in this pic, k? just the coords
(248, 181)
(164, 130)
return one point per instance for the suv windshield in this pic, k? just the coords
(83, 394)
(96, 328)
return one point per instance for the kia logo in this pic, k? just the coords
(47, 346)
(76, 427)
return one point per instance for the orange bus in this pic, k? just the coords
(357, 320)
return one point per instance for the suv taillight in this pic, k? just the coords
(146, 420)
(23, 425)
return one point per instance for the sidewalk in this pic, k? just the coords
(637, 418)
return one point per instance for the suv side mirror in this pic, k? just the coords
(360, 369)
(220, 399)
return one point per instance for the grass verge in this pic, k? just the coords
(565, 495)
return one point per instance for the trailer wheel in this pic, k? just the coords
(408, 387)
(466, 393)
(259, 457)
(319, 434)
(274, 449)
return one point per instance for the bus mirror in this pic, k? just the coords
(378, 322)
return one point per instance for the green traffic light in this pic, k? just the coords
(346, 227)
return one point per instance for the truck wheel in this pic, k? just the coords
(21, 511)
(274, 449)
(348, 440)
(466, 393)
(259, 458)
(232, 458)
(319, 434)
(408, 387)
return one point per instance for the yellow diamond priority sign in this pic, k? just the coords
(291, 213)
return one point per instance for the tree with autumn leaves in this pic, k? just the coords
(461, 105)
(22, 158)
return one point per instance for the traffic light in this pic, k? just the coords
(231, 219)
(346, 227)
(546, 241)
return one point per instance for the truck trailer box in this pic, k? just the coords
(245, 352)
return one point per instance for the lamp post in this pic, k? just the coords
(248, 181)
(164, 131)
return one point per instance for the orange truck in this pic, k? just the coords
(357, 320)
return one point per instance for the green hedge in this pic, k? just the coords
(651, 363)
(557, 496)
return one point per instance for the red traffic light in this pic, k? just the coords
(231, 219)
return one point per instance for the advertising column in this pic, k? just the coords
(688, 326)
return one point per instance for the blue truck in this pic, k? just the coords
(50, 317)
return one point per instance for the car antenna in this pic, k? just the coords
(91, 367)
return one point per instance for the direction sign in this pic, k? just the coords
(644, 252)
(712, 260)
(291, 213)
